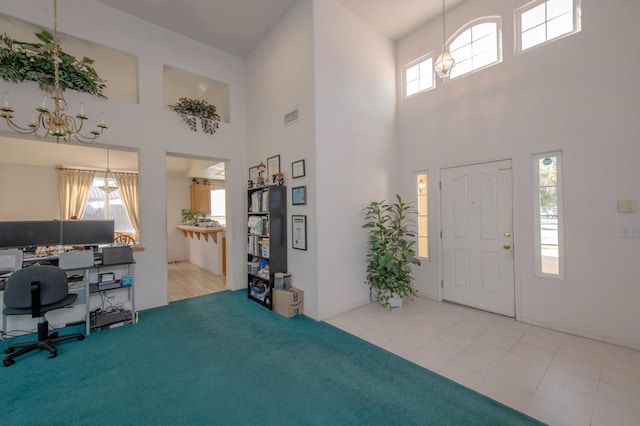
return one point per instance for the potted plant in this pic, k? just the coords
(190, 217)
(21, 60)
(193, 109)
(391, 251)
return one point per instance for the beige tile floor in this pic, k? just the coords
(555, 377)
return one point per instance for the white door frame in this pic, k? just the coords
(516, 231)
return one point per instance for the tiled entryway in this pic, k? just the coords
(555, 377)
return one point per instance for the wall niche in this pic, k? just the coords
(184, 84)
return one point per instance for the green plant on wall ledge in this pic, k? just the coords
(21, 61)
(192, 109)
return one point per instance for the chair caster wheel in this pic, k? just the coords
(7, 362)
(8, 350)
(53, 335)
(81, 337)
(53, 354)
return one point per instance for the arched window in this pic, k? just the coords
(478, 46)
(541, 21)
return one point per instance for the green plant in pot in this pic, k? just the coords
(193, 109)
(391, 250)
(21, 60)
(190, 217)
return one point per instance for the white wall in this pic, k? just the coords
(147, 126)
(178, 198)
(355, 129)
(562, 96)
(280, 79)
(28, 193)
(340, 73)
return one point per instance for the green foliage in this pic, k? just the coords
(391, 250)
(190, 216)
(192, 109)
(21, 61)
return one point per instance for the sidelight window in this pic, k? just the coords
(548, 214)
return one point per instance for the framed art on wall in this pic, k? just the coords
(299, 195)
(297, 169)
(299, 232)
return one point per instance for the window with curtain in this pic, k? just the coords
(103, 205)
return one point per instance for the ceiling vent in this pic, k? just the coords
(290, 118)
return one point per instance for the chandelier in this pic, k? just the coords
(54, 123)
(445, 62)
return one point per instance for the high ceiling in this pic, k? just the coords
(236, 26)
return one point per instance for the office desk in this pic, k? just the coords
(85, 281)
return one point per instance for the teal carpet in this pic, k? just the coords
(224, 360)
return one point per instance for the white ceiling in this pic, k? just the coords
(236, 26)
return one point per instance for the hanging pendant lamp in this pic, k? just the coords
(445, 62)
(106, 187)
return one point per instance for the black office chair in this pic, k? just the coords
(37, 290)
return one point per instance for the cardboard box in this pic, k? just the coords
(288, 303)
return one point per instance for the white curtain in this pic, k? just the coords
(75, 186)
(128, 185)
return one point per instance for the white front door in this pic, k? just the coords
(477, 240)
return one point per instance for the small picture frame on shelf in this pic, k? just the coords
(273, 166)
(297, 169)
(253, 176)
(299, 195)
(299, 232)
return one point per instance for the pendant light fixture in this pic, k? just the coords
(444, 64)
(106, 187)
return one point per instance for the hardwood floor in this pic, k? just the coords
(188, 280)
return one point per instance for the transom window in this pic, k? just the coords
(418, 77)
(541, 21)
(476, 47)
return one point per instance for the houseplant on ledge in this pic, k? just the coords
(391, 251)
(193, 109)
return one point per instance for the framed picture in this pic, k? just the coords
(273, 166)
(297, 169)
(299, 195)
(299, 232)
(253, 176)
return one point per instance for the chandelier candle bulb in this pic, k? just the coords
(54, 123)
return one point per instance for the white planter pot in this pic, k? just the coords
(395, 301)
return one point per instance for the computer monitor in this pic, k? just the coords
(87, 232)
(17, 234)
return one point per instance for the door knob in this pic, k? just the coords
(506, 246)
(507, 234)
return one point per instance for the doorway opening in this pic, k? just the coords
(196, 226)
